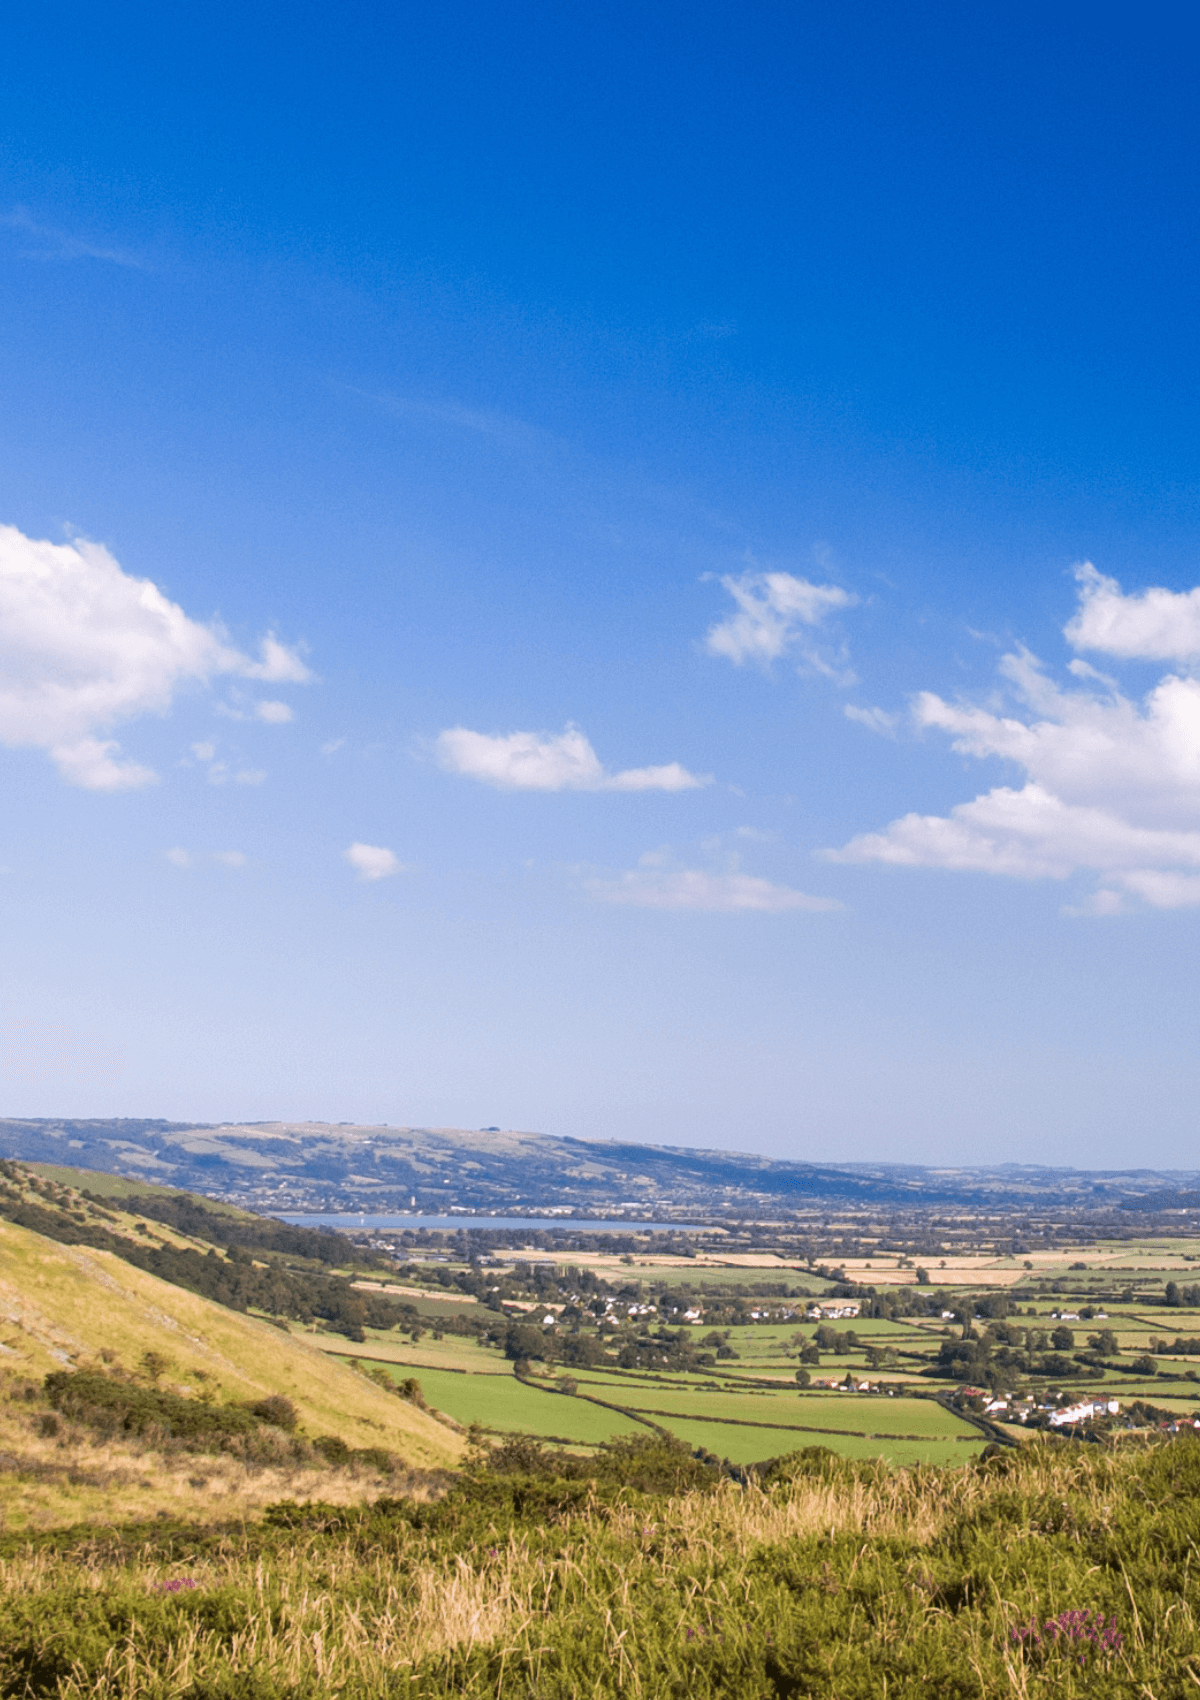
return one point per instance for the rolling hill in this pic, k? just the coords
(322, 1166)
(81, 1308)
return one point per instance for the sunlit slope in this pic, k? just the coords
(61, 1306)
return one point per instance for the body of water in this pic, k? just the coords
(569, 1224)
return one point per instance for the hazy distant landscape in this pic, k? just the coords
(302, 1167)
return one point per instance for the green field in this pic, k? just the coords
(742, 1426)
(500, 1403)
(755, 1445)
(869, 1413)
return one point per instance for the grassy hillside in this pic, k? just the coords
(77, 1307)
(1054, 1573)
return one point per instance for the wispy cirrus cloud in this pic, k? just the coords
(541, 761)
(1111, 781)
(181, 858)
(502, 429)
(49, 242)
(85, 646)
(658, 882)
(776, 615)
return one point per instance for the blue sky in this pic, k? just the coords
(542, 581)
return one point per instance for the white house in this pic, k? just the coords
(1084, 1411)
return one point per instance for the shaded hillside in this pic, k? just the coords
(255, 1273)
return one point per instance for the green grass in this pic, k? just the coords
(824, 1580)
(833, 1411)
(755, 1445)
(501, 1403)
(121, 1186)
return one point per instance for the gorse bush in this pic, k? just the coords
(111, 1405)
(1054, 1572)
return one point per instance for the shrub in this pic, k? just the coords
(276, 1410)
(112, 1406)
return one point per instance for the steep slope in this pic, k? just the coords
(78, 1307)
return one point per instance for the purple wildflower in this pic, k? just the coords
(1084, 1632)
(177, 1585)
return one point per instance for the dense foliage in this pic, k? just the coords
(193, 1216)
(1055, 1571)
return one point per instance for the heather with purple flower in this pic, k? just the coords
(1057, 1572)
(1081, 1632)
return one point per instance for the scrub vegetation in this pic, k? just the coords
(1056, 1571)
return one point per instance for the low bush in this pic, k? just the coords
(110, 1405)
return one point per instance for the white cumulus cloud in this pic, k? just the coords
(276, 664)
(776, 612)
(656, 884)
(274, 713)
(540, 761)
(1157, 625)
(372, 861)
(1111, 782)
(85, 646)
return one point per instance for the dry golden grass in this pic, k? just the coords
(74, 1307)
(362, 1622)
(65, 1305)
(50, 1482)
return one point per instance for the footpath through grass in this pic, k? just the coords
(1058, 1571)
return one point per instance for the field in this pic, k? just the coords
(741, 1424)
(748, 1408)
(600, 1499)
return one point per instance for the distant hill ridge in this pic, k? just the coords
(344, 1167)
